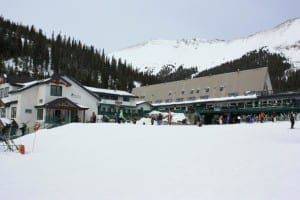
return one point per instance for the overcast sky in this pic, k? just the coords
(116, 24)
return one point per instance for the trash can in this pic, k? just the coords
(22, 149)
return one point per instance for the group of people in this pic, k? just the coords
(119, 117)
(159, 118)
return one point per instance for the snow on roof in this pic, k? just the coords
(141, 102)
(8, 100)
(82, 106)
(154, 112)
(208, 100)
(31, 83)
(28, 84)
(107, 91)
(5, 121)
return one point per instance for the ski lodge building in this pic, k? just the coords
(58, 100)
(236, 93)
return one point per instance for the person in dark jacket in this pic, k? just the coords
(159, 119)
(292, 119)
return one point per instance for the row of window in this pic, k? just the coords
(231, 94)
(192, 91)
(113, 110)
(181, 99)
(13, 112)
(111, 97)
(263, 103)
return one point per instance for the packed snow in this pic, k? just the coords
(130, 161)
(204, 54)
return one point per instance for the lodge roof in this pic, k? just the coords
(216, 86)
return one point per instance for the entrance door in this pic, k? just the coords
(57, 116)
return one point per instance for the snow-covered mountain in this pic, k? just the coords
(152, 55)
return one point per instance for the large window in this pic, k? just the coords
(2, 112)
(4, 92)
(179, 99)
(233, 94)
(13, 113)
(204, 97)
(56, 90)
(191, 98)
(40, 114)
(126, 99)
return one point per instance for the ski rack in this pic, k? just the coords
(7, 140)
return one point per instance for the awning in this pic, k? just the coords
(62, 103)
(7, 103)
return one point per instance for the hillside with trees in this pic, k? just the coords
(27, 52)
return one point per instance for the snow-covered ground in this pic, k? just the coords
(134, 162)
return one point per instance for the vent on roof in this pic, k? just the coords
(222, 87)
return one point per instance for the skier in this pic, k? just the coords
(159, 119)
(292, 119)
(169, 118)
(121, 117)
(152, 120)
(221, 119)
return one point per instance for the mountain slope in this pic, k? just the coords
(204, 54)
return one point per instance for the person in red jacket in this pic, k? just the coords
(93, 118)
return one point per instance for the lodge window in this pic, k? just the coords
(2, 112)
(29, 111)
(191, 98)
(126, 99)
(4, 92)
(179, 99)
(233, 94)
(56, 90)
(204, 97)
(207, 89)
(40, 114)
(13, 113)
